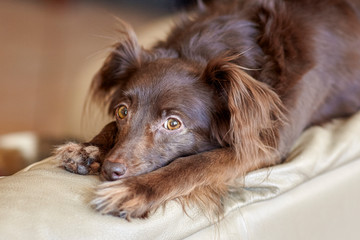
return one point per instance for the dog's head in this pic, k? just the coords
(167, 107)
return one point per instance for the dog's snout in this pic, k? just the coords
(113, 170)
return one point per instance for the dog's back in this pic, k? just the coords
(307, 51)
(228, 92)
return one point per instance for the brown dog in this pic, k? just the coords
(228, 92)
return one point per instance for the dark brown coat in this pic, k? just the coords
(241, 80)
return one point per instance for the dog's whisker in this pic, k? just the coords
(100, 52)
(105, 37)
(249, 69)
(228, 92)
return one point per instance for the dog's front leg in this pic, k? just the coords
(201, 179)
(86, 158)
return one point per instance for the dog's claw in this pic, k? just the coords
(77, 158)
(83, 170)
(122, 214)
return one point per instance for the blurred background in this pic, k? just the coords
(49, 52)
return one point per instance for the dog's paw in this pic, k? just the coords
(127, 198)
(78, 158)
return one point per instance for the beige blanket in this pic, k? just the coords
(46, 202)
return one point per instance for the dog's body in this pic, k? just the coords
(190, 116)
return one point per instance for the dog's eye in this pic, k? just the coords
(122, 112)
(172, 124)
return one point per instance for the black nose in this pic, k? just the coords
(113, 170)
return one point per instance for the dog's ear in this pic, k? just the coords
(252, 110)
(126, 56)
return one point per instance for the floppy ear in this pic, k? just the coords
(253, 110)
(123, 61)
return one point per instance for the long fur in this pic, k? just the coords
(239, 81)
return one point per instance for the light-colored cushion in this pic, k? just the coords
(314, 195)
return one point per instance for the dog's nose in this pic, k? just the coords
(113, 170)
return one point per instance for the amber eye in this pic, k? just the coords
(122, 112)
(172, 124)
